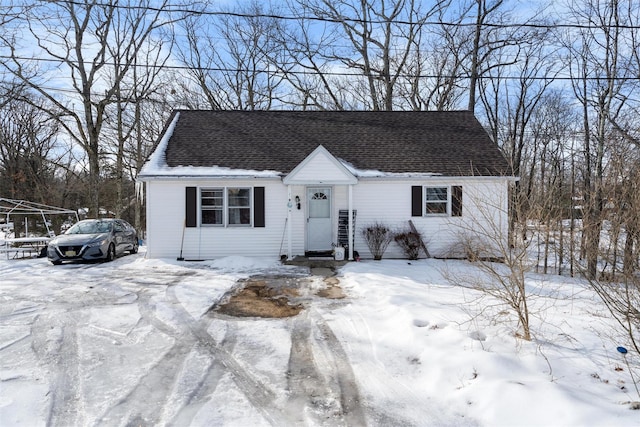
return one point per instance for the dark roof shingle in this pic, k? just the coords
(447, 143)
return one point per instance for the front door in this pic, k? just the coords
(319, 219)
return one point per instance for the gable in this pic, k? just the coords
(320, 167)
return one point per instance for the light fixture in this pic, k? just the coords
(298, 202)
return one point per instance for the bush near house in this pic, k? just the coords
(409, 241)
(378, 236)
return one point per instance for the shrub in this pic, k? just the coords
(410, 242)
(378, 236)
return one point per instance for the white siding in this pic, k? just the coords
(390, 203)
(320, 168)
(298, 221)
(165, 218)
(165, 223)
(484, 204)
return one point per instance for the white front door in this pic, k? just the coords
(319, 219)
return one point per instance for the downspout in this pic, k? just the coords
(289, 232)
(350, 222)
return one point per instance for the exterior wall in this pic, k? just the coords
(165, 218)
(319, 168)
(165, 223)
(298, 221)
(484, 208)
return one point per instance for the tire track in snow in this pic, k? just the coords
(321, 382)
(261, 397)
(329, 397)
(201, 393)
(150, 398)
(55, 342)
(144, 402)
(308, 391)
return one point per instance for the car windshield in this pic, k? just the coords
(90, 227)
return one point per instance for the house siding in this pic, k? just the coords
(320, 169)
(165, 218)
(165, 224)
(484, 206)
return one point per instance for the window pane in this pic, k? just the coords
(212, 216)
(212, 202)
(212, 197)
(436, 193)
(319, 196)
(212, 193)
(239, 216)
(239, 197)
(436, 208)
(436, 200)
(319, 203)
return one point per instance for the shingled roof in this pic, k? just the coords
(451, 143)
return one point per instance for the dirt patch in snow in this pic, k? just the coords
(275, 297)
(333, 289)
(258, 298)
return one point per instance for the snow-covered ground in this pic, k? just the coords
(132, 343)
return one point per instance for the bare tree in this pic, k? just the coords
(378, 39)
(622, 299)
(308, 71)
(27, 140)
(599, 66)
(487, 42)
(76, 37)
(547, 189)
(131, 92)
(509, 105)
(502, 263)
(229, 59)
(435, 74)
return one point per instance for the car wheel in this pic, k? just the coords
(134, 249)
(56, 262)
(111, 253)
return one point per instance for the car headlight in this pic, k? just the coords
(98, 243)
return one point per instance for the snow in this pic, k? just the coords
(372, 173)
(158, 159)
(157, 164)
(132, 342)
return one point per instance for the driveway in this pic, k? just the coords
(135, 342)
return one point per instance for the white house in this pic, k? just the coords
(274, 183)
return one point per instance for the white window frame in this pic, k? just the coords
(226, 206)
(204, 207)
(425, 212)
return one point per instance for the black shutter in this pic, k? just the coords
(416, 200)
(456, 200)
(258, 207)
(191, 207)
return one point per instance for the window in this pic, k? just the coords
(235, 202)
(239, 206)
(436, 200)
(212, 205)
(319, 203)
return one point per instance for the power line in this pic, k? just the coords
(170, 8)
(276, 72)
